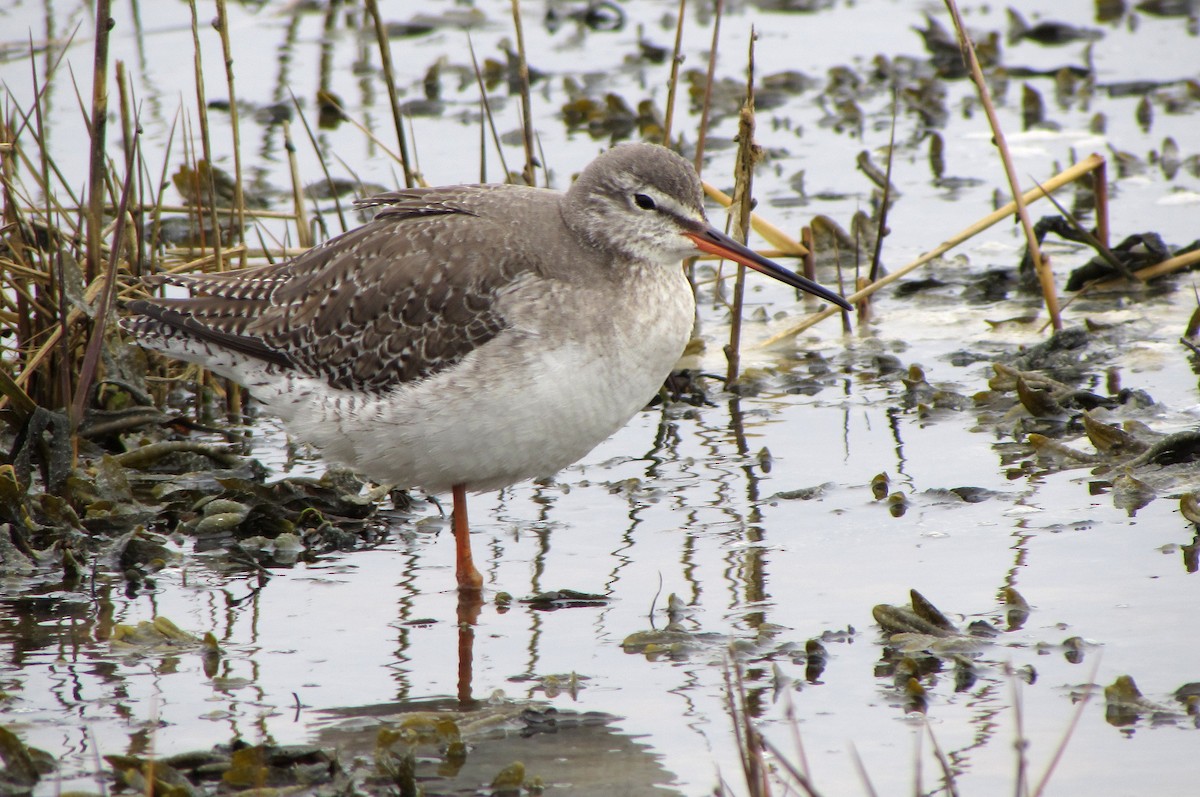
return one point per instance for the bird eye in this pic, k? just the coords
(644, 202)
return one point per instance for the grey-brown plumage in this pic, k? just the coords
(370, 309)
(467, 337)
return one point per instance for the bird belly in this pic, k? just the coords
(572, 370)
(522, 406)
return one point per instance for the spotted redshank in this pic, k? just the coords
(468, 337)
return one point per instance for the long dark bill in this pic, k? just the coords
(718, 243)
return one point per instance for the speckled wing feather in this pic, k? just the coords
(372, 308)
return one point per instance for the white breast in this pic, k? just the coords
(577, 364)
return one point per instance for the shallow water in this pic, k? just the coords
(679, 501)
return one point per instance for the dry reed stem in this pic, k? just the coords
(1166, 267)
(1143, 275)
(41, 171)
(861, 769)
(1021, 743)
(673, 80)
(157, 208)
(841, 286)
(385, 54)
(142, 207)
(526, 103)
(1091, 240)
(316, 147)
(416, 156)
(802, 760)
(482, 143)
(239, 202)
(809, 256)
(303, 230)
(706, 108)
(132, 145)
(91, 358)
(794, 772)
(1088, 691)
(743, 182)
(210, 190)
(123, 92)
(1100, 192)
(918, 769)
(16, 399)
(401, 158)
(487, 107)
(786, 245)
(97, 128)
(1045, 275)
(749, 741)
(1057, 181)
(542, 157)
(876, 256)
(56, 270)
(943, 762)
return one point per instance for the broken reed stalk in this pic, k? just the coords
(97, 128)
(239, 203)
(702, 135)
(1088, 164)
(673, 80)
(743, 182)
(1045, 275)
(389, 79)
(526, 103)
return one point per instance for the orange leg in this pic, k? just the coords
(469, 579)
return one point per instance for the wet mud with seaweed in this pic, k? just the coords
(950, 540)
